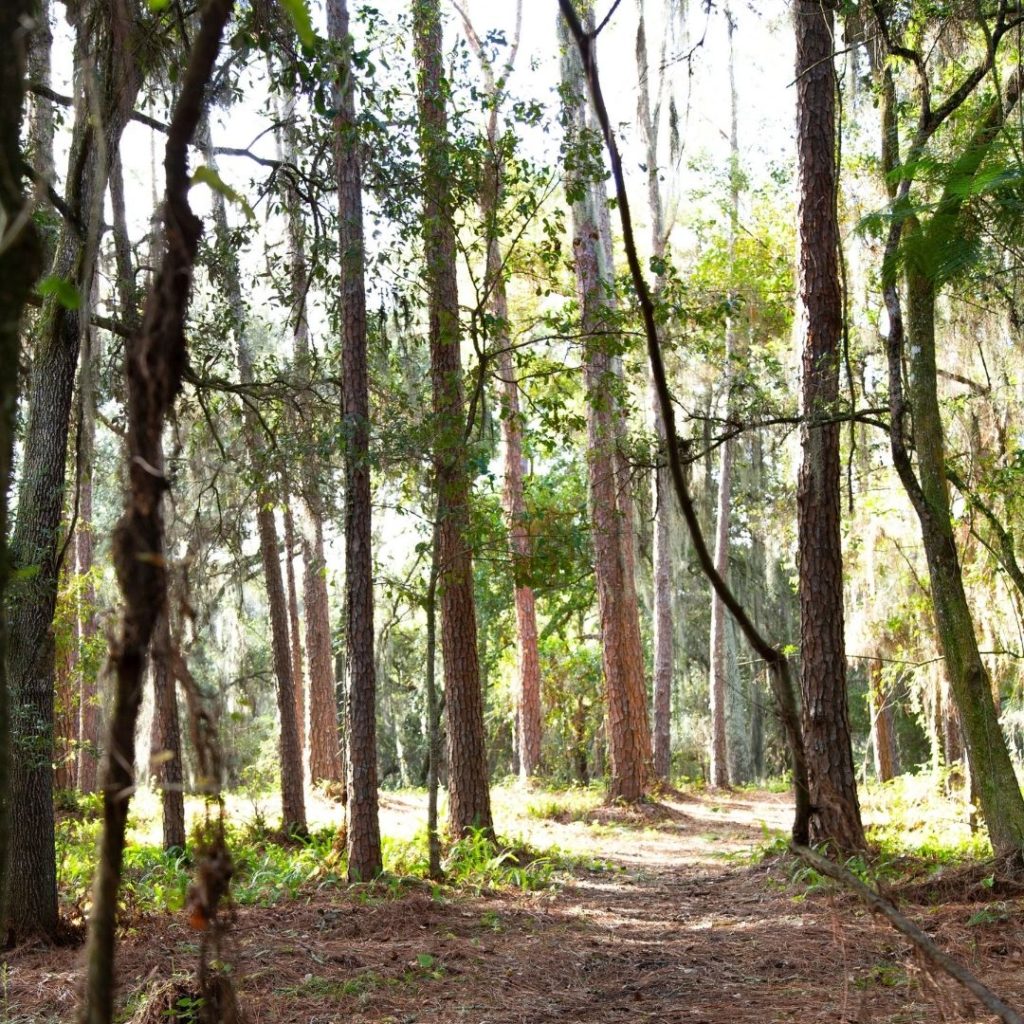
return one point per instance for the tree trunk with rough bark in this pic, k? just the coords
(832, 778)
(628, 729)
(469, 804)
(20, 261)
(103, 29)
(364, 852)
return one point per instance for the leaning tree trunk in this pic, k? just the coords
(469, 795)
(364, 853)
(155, 360)
(831, 774)
(622, 653)
(104, 43)
(19, 267)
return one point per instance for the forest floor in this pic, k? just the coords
(668, 915)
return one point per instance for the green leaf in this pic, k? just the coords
(157, 5)
(206, 175)
(424, 960)
(62, 290)
(26, 572)
(298, 11)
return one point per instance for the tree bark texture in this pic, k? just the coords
(469, 804)
(155, 359)
(364, 852)
(165, 738)
(826, 723)
(103, 31)
(20, 260)
(629, 735)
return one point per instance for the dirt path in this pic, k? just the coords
(678, 927)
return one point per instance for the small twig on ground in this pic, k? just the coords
(905, 926)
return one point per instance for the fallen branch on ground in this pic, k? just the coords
(921, 939)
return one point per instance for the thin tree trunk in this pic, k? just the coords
(294, 630)
(155, 359)
(469, 803)
(611, 514)
(722, 682)
(719, 671)
(20, 261)
(529, 714)
(165, 742)
(433, 715)
(664, 629)
(826, 721)
(364, 853)
(103, 43)
(293, 805)
(326, 759)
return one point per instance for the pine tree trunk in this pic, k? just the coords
(628, 729)
(826, 725)
(165, 740)
(469, 804)
(20, 262)
(364, 852)
(102, 45)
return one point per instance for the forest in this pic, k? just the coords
(508, 512)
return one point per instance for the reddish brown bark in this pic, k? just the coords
(469, 802)
(364, 851)
(629, 735)
(883, 739)
(833, 785)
